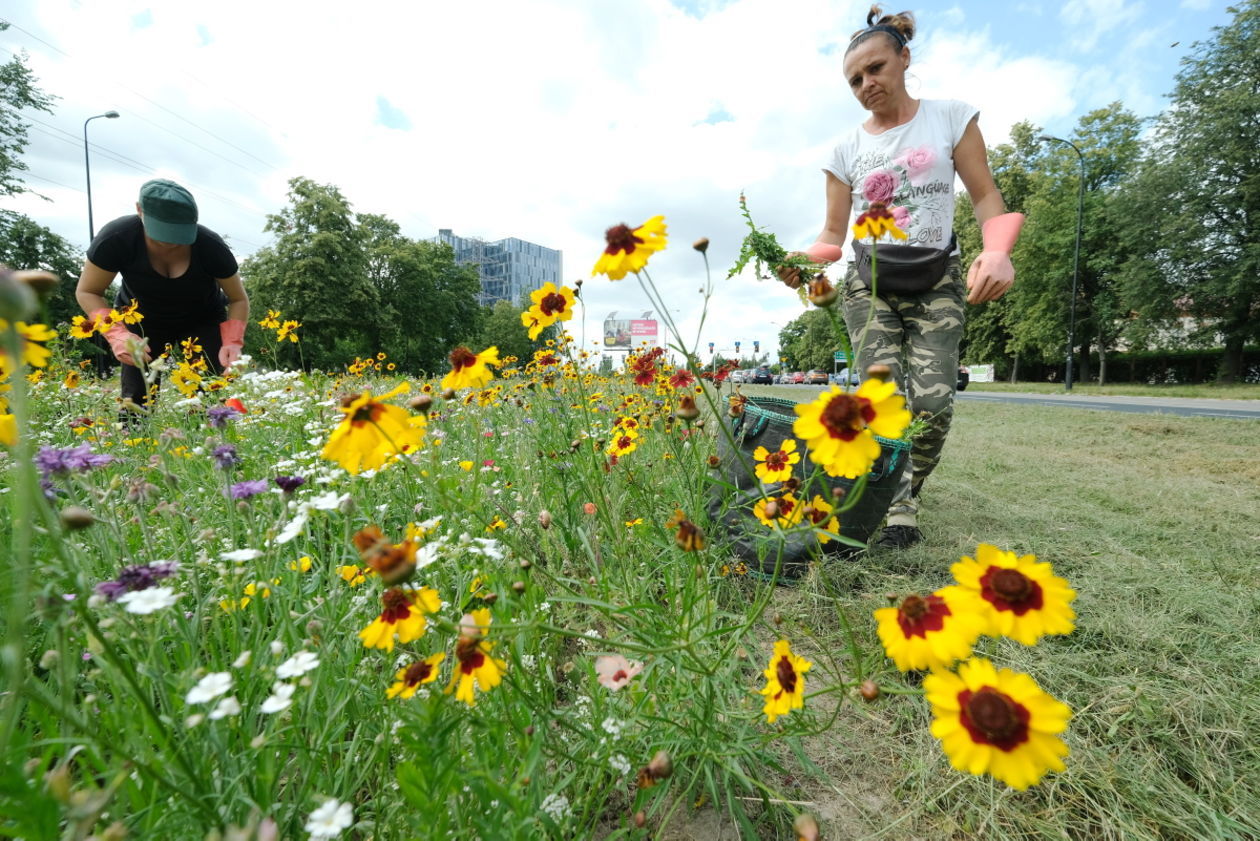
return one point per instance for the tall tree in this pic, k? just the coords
(25, 244)
(18, 93)
(1194, 211)
(501, 326)
(428, 301)
(810, 341)
(317, 273)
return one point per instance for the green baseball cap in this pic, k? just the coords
(170, 212)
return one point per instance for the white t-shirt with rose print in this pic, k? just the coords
(910, 168)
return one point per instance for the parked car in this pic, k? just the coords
(798, 377)
(762, 376)
(817, 377)
(839, 378)
(737, 376)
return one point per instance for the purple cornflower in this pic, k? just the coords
(137, 577)
(52, 461)
(248, 488)
(225, 456)
(220, 415)
(289, 484)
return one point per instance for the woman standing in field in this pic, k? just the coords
(902, 160)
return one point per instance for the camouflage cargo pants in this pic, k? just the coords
(917, 337)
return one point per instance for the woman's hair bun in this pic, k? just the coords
(903, 22)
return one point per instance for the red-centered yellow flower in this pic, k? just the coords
(372, 432)
(287, 331)
(475, 668)
(83, 328)
(628, 250)
(71, 380)
(839, 428)
(929, 633)
(997, 722)
(1018, 597)
(549, 306)
(408, 680)
(469, 370)
(186, 379)
(623, 441)
(403, 617)
(129, 314)
(826, 526)
(785, 682)
(875, 222)
(776, 466)
(8, 430)
(271, 321)
(784, 510)
(686, 533)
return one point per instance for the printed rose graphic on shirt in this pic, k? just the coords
(880, 186)
(917, 163)
(901, 216)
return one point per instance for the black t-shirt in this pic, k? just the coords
(195, 296)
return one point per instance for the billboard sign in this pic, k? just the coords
(625, 333)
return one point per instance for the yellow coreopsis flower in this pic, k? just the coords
(997, 722)
(875, 222)
(826, 526)
(929, 633)
(475, 668)
(129, 314)
(784, 510)
(550, 305)
(83, 328)
(839, 427)
(372, 432)
(629, 250)
(287, 330)
(271, 321)
(776, 466)
(1017, 597)
(624, 442)
(470, 370)
(407, 681)
(8, 430)
(403, 617)
(785, 682)
(186, 379)
(34, 353)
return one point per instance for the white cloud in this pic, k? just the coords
(1096, 18)
(548, 120)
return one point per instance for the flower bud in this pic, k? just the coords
(421, 403)
(544, 519)
(58, 782)
(75, 517)
(772, 509)
(640, 819)
(687, 409)
(661, 767)
(17, 301)
(524, 564)
(448, 394)
(879, 372)
(820, 291)
(701, 245)
(518, 587)
(806, 828)
(50, 659)
(869, 690)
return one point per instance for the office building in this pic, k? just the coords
(509, 267)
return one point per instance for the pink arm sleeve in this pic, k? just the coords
(1000, 232)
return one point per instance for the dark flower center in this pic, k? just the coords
(416, 673)
(920, 616)
(992, 717)
(462, 357)
(786, 675)
(551, 304)
(844, 415)
(397, 605)
(621, 238)
(471, 657)
(1009, 589)
(620, 675)
(777, 461)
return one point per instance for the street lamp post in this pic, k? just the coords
(87, 167)
(1076, 257)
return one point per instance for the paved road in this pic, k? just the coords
(1191, 406)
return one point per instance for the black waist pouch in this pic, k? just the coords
(902, 269)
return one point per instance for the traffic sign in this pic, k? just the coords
(840, 357)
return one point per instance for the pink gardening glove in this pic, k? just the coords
(991, 274)
(121, 340)
(232, 332)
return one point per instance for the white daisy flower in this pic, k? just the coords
(209, 687)
(329, 820)
(297, 665)
(147, 601)
(280, 698)
(225, 707)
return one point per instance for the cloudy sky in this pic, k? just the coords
(548, 120)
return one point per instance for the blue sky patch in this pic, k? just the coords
(391, 116)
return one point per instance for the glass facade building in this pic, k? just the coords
(509, 267)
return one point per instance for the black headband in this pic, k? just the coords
(883, 27)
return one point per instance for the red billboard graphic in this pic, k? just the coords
(625, 333)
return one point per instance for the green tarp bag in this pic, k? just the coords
(767, 422)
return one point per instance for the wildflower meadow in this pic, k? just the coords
(492, 603)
